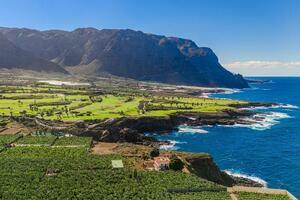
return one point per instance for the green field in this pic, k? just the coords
(7, 139)
(258, 196)
(202, 195)
(46, 172)
(73, 141)
(83, 103)
(36, 140)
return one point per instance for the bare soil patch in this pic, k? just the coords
(14, 128)
(103, 148)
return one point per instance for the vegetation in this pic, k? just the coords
(176, 164)
(154, 152)
(73, 141)
(85, 103)
(7, 139)
(46, 172)
(259, 196)
(202, 195)
(36, 140)
(53, 167)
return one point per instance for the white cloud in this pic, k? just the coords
(265, 68)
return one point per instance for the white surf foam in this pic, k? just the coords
(231, 91)
(225, 91)
(206, 94)
(171, 146)
(242, 175)
(185, 129)
(262, 121)
(286, 106)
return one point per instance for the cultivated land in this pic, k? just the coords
(47, 172)
(38, 161)
(70, 103)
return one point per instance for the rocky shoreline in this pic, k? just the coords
(133, 129)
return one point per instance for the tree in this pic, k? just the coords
(154, 152)
(59, 115)
(66, 110)
(23, 112)
(176, 164)
(42, 114)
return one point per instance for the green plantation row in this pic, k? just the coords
(47, 140)
(77, 174)
(75, 103)
(257, 196)
(46, 172)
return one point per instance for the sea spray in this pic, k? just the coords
(261, 121)
(243, 175)
(171, 145)
(189, 129)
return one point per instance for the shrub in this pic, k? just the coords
(176, 164)
(154, 153)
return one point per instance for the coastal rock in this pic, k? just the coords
(203, 166)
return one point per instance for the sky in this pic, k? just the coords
(251, 37)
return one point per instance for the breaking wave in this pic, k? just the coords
(286, 106)
(171, 146)
(262, 121)
(253, 178)
(188, 129)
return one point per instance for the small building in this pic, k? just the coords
(161, 163)
(117, 164)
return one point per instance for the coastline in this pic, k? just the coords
(139, 130)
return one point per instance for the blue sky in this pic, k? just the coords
(254, 37)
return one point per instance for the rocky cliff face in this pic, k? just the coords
(203, 166)
(127, 53)
(12, 56)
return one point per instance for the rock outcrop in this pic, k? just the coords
(203, 166)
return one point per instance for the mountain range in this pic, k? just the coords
(120, 52)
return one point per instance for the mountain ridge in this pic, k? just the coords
(21, 59)
(126, 53)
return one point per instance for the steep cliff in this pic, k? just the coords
(127, 53)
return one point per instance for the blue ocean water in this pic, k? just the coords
(267, 151)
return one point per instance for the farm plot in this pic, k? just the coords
(7, 139)
(75, 103)
(77, 174)
(202, 195)
(36, 141)
(258, 196)
(73, 142)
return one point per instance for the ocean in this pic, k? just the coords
(268, 151)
